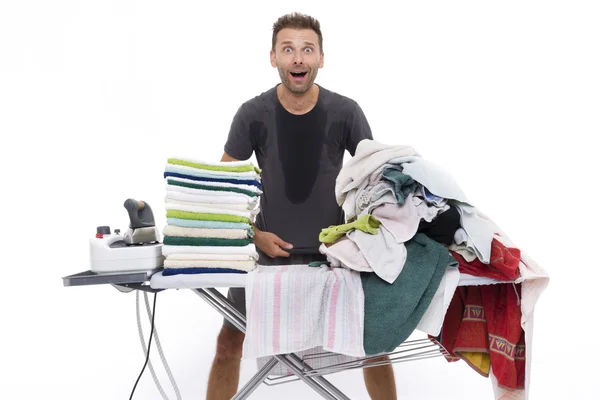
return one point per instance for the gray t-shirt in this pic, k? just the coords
(300, 157)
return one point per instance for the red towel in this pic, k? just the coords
(503, 266)
(487, 319)
(506, 337)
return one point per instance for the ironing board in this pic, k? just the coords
(204, 285)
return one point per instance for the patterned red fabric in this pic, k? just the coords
(503, 266)
(487, 319)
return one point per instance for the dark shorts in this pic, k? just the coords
(237, 296)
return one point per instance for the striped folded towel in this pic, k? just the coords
(210, 210)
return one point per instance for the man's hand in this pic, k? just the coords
(271, 244)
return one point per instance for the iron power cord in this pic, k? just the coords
(148, 351)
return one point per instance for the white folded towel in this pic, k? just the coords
(207, 192)
(249, 249)
(224, 198)
(171, 230)
(224, 206)
(204, 256)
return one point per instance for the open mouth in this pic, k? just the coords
(298, 75)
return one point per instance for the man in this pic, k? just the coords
(299, 132)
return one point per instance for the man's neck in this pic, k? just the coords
(298, 104)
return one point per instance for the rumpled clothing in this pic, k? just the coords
(401, 220)
(345, 253)
(503, 266)
(428, 211)
(374, 161)
(369, 156)
(467, 254)
(443, 226)
(402, 184)
(433, 319)
(442, 184)
(387, 326)
(383, 253)
(534, 280)
(482, 327)
(361, 189)
(366, 223)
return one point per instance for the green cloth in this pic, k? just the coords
(237, 168)
(393, 311)
(366, 223)
(205, 216)
(319, 264)
(403, 184)
(213, 188)
(201, 241)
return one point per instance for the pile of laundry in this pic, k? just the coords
(412, 233)
(210, 210)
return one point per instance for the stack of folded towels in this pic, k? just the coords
(211, 207)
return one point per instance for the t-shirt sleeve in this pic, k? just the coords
(239, 143)
(357, 128)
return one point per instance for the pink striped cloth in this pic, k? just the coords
(294, 308)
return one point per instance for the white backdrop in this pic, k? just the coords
(95, 95)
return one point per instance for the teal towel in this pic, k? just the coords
(393, 311)
(403, 184)
(199, 223)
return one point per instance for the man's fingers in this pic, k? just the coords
(283, 244)
(281, 253)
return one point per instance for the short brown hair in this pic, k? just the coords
(297, 21)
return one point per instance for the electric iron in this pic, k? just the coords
(138, 249)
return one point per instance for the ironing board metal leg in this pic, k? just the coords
(255, 381)
(320, 379)
(224, 307)
(316, 384)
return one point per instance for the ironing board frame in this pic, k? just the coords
(314, 378)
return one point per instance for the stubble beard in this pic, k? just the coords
(295, 89)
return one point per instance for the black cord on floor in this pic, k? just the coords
(147, 351)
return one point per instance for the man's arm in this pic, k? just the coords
(226, 157)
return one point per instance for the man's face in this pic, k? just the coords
(297, 57)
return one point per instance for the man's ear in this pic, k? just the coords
(273, 60)
(322, 61)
